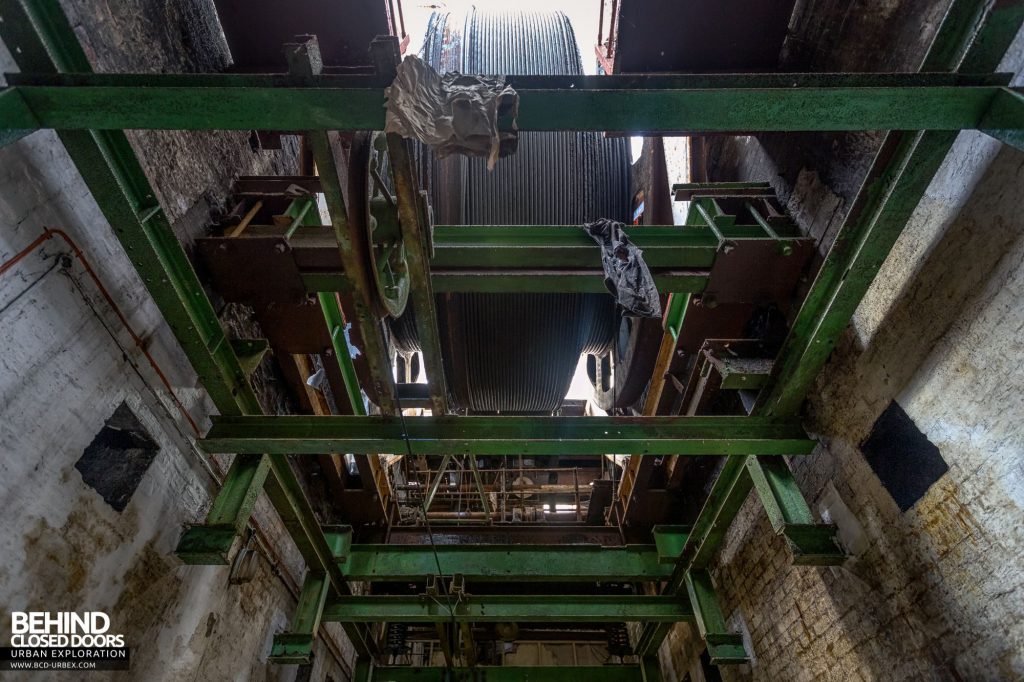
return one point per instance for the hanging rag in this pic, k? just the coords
(625, 272)
(454, 113)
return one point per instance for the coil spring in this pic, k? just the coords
(397, 633)
(618, 639)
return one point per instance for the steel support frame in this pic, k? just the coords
(484, 435)
(901, 173)
(522, 563)
(974, 36)
(638, 104)
(584, 608)
(39, 36)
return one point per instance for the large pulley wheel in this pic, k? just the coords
(388, 265)
(620, 374)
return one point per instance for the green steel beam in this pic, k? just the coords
(18, 120)
(587, 608)
(509, 435)
(557, 246)
(522, 281)
(975, 35)
(499, 563)
(723, 646)
(350, 245)
(38, 35)
(1003, 119)
(727, 494)
(896, 182)
(532, 247)
(755, 103)
(335, 321)
(592, 673)
(650, 669)
(813, 544)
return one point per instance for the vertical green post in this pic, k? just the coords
(723, 646)
(296, 645)
(812, 543)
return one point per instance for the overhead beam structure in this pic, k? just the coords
(652, 104)
(974, 36)
(501, 563)
(583, 608)
(563, 436)
(56, 91)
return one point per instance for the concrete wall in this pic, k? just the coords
(936, 592)
(67, 363)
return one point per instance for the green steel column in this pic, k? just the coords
(350, 246)
(40, 38)
(812, 543)
(364, 671)
(18, 120)
(723, 646)
(336, 328)
(973, 36)
(650, 669)
(296, 645)
(1004, 120)
(756, 103)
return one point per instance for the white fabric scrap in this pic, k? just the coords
(454, 113)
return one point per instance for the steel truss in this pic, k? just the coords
(956, 90)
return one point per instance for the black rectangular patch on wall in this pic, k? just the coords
(118, 457)
(902, 457)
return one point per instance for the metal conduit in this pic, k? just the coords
(516, 353)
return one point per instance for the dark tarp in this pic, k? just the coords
(625, 272)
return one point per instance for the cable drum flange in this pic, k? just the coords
(516, 353)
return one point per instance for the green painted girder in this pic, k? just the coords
(509, 435)
(585, 608)
(477, 247)
(487, 673)
(512, 563)
(296, 645)
(813, 544)
(348, 243)
(975, 35)
(536, 258)
(559, 246)
(753, 102)
(723, 645)
(548, 281)
(335, 321)
(17, 120)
